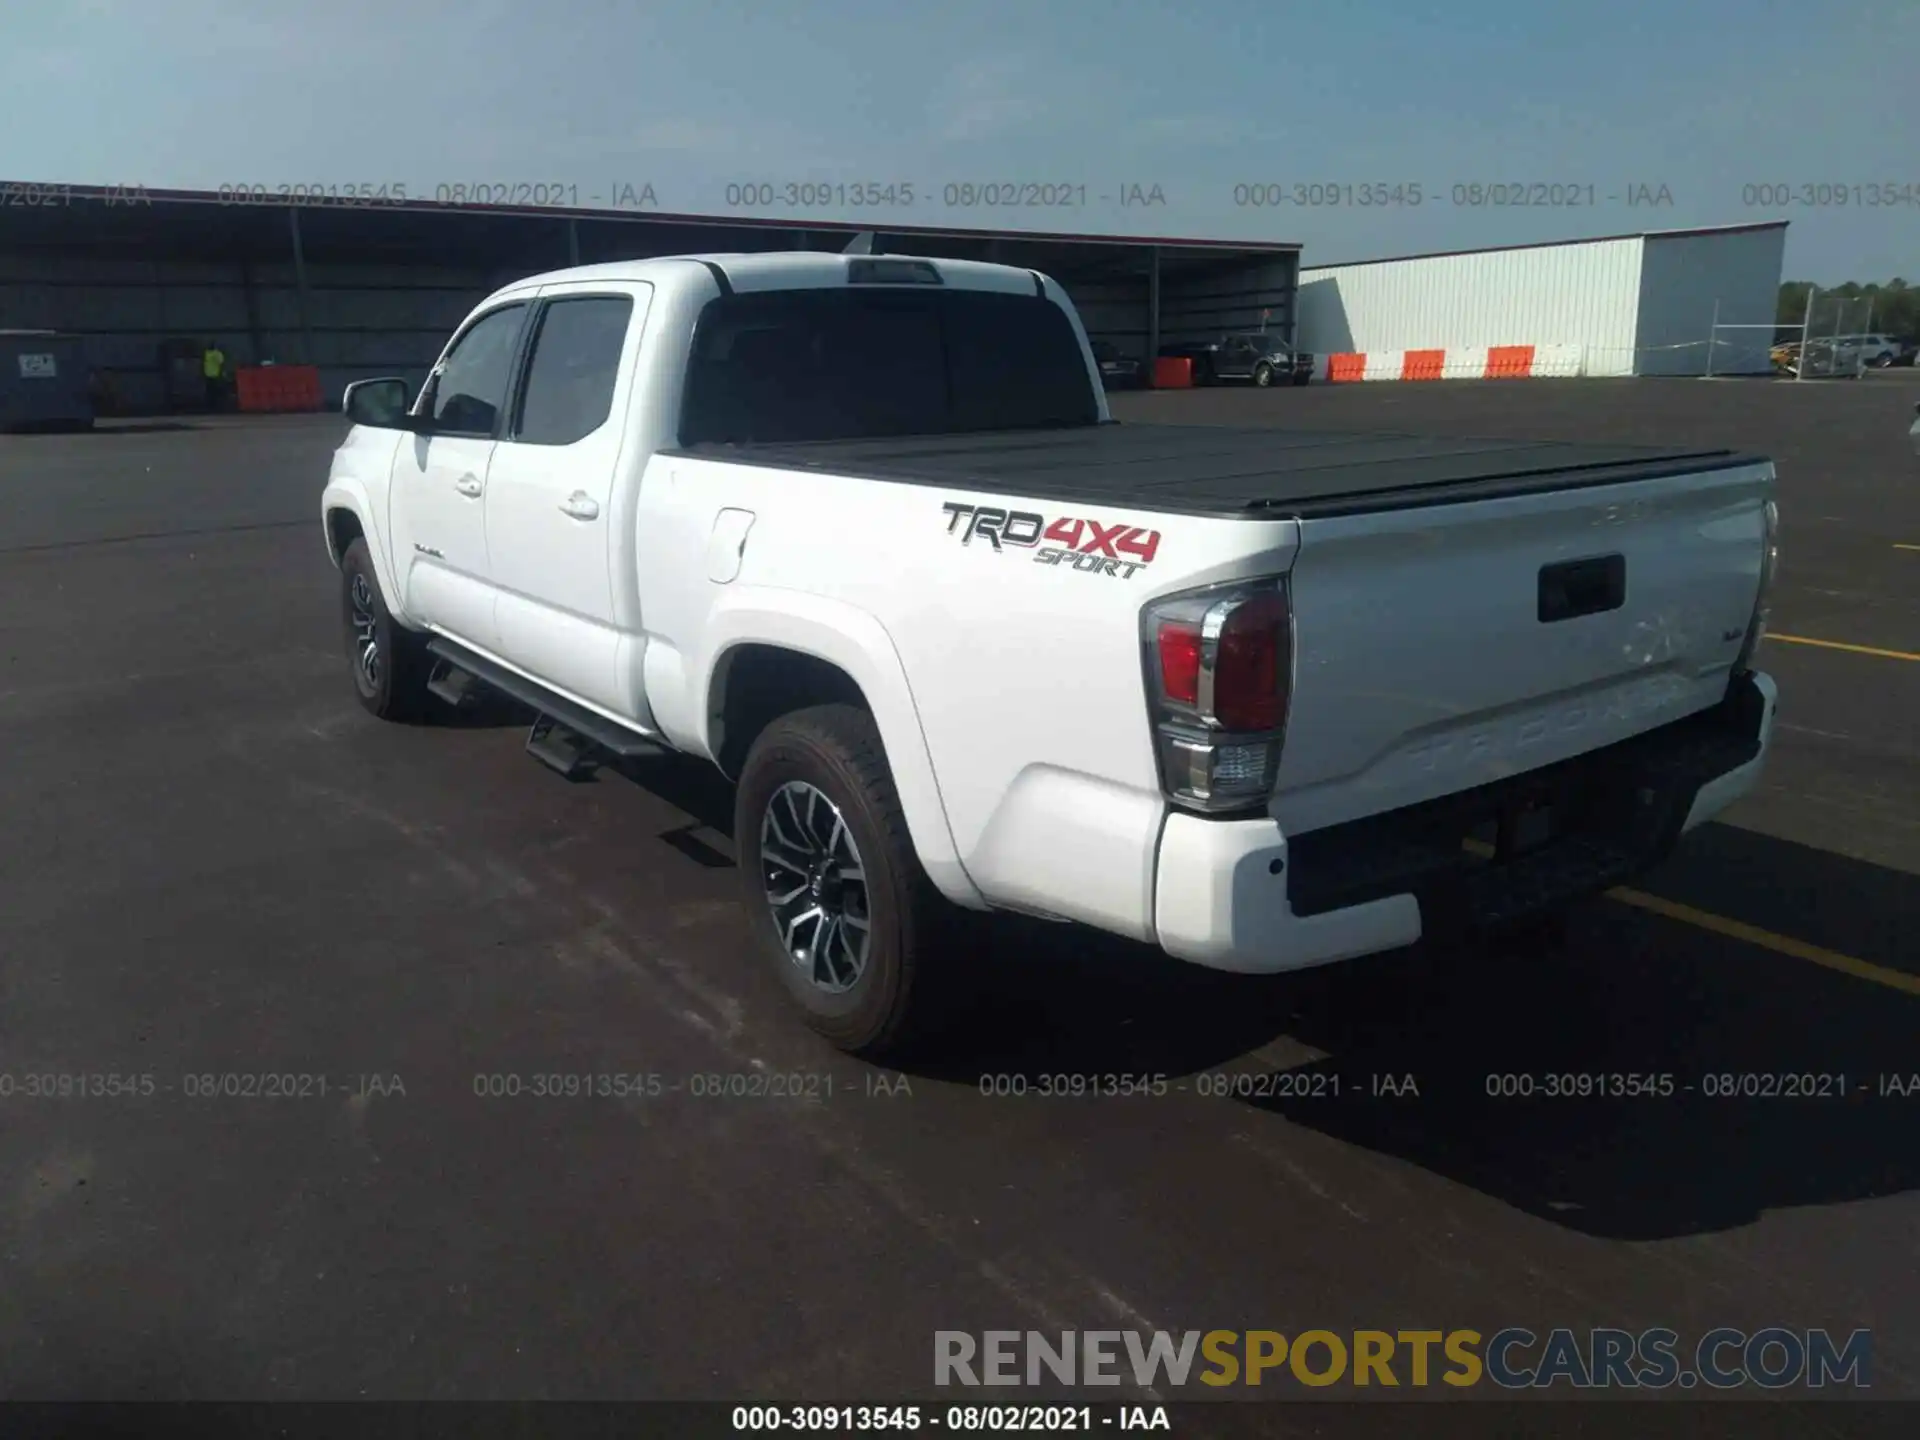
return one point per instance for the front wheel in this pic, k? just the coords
(1263, 374)
(844, 911)
(389, 662)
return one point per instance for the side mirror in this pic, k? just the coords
(379, 403)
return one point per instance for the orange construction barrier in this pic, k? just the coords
(1509, 362)
(1172, 372)
(1422, 364)
(264, 389)
(1346, 367)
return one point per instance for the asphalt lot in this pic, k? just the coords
(214, 863)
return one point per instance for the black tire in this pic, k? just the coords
(394, 685)
(1263, 374)
(835, 750)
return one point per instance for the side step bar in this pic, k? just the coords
(453, 686)
(565, 737)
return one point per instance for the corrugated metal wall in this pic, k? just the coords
(370, 320)
(1203, 305)
(389, 319)
(1681, 276)
(1584, 294)
(1114, 311)
(363, 320)
(123, 309)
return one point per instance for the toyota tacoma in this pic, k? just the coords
(860, 532)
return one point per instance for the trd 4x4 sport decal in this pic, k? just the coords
(1076, 542)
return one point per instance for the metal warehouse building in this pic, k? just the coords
(1641, 304)
(358, 292)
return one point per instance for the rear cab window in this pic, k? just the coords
(573, 369)
(861, 362)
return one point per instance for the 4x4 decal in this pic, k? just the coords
(1077, 542)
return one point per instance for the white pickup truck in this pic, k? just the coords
(860, 531)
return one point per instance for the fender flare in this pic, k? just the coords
(349, 494)
(856, 642)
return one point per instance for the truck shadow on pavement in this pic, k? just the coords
(1648, 1079)
(698, 790)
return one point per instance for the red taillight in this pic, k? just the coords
(1219, 667)
(1180, 662)
(1249, 678)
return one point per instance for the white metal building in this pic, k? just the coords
(1618, 305)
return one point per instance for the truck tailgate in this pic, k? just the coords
(1449, 645)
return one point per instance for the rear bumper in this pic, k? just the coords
(1240, 895)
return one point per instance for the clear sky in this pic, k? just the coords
(1607, 100)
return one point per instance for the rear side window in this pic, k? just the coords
(852, 363)
(576, 360)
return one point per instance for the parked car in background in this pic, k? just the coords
(1827, 359)
(1118, 371)
(1876, 352)
(1836, 354)
(1262, 357)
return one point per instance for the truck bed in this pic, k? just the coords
(1255, 472)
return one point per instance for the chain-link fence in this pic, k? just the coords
(1831, 340)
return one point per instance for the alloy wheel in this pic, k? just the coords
(816, 886)
(366, 631)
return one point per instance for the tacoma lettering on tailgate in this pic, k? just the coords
(1078, 542)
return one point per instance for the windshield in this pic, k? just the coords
(855, 363)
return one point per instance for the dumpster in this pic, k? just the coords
(45, 381)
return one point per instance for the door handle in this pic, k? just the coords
(580, 506)
(468, 485)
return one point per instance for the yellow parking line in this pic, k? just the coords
(1898, 546)
(1751, 934)
(1780, 944)
(1839, 645)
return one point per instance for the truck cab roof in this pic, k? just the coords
(797, 270)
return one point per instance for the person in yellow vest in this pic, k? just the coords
(213, 367)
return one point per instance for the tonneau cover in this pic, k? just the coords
(1252, 471)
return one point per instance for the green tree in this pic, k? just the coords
(1895, 306)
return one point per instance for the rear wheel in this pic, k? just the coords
(390, 664)
(844, 912)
